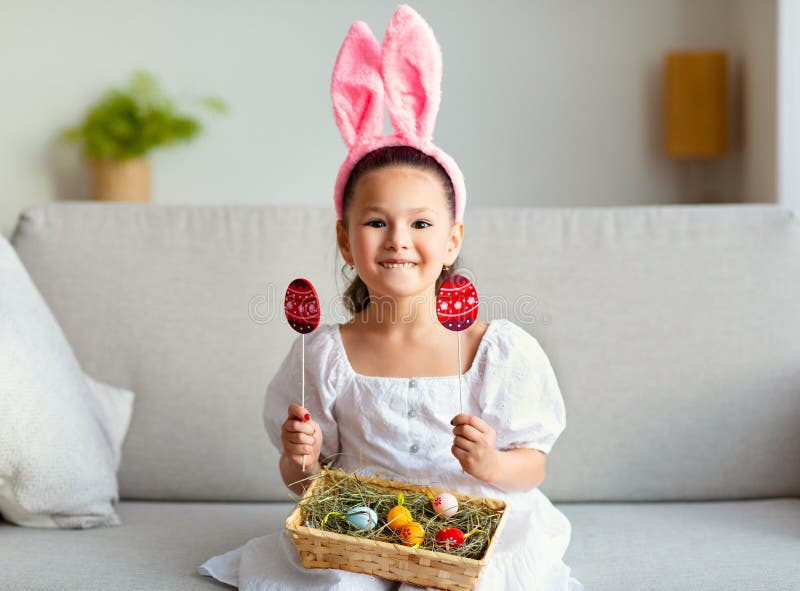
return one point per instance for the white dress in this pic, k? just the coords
(401, 427)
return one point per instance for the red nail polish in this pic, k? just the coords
(306, 417)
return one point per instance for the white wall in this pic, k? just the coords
(545, 102)
(789, 103)
(758, 86)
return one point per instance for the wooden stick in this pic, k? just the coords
(303, 394)
(460, 400)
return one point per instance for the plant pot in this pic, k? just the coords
(121, 180)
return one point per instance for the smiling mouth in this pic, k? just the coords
(398, 265)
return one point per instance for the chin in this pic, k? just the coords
(387, 291)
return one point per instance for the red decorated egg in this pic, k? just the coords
(301, 306)
(450, 538)
(457, 303)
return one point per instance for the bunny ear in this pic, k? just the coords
(411, 67)
(356, 86)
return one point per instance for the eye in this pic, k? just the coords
(371, 222)
(427, 224)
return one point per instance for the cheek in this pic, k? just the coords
(362, 244)
(434, 245)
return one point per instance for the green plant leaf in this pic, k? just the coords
(132, 121)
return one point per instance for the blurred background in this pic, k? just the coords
(545, 102)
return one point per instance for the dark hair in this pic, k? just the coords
(356, 295)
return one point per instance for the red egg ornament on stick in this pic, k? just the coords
(457, 310)
(302, 309)
(302, 306)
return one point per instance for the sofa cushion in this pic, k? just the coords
(706, 546)
(658, 547)
(158, 546)
(60, 432)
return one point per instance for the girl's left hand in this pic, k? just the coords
(474, 446)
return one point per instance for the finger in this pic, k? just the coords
(463, 444)
(459, 453)
(298, 412)
(301, 439)
(468, 432)
(460, 419)
(477, 422)
(300, 450)
(301, 427)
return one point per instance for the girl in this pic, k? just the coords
(381, 388)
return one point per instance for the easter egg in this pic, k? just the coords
(445, 504)
(412, 534)
(398, 517)
(457, 303)
(362, 517)
(301, 306)
(450, 537)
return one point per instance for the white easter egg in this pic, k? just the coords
(445, 504)
(362, 517)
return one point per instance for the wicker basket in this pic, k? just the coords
(325, 549)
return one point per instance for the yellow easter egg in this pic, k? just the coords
(398, 516)
(412, 534)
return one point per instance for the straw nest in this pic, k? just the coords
(341, 491)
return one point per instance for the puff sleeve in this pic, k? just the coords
(285, 388)
(522, 400)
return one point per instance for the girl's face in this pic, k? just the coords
(399, 213)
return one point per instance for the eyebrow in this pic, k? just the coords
(415, 210)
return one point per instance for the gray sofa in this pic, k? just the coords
(674, 332)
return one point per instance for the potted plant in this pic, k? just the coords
(123, 126)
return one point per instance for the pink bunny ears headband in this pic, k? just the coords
(408, 69)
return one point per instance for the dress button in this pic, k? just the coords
(414, 448)
(412, 413)
(412, 383)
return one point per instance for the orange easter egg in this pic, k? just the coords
(398, 517)
(412, 534)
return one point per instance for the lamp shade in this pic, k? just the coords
(696, 104)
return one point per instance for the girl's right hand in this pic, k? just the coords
(301, 437)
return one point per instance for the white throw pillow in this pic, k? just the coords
(61, 432)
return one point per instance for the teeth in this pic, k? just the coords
(397, 265)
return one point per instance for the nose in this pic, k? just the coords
(397, 238)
